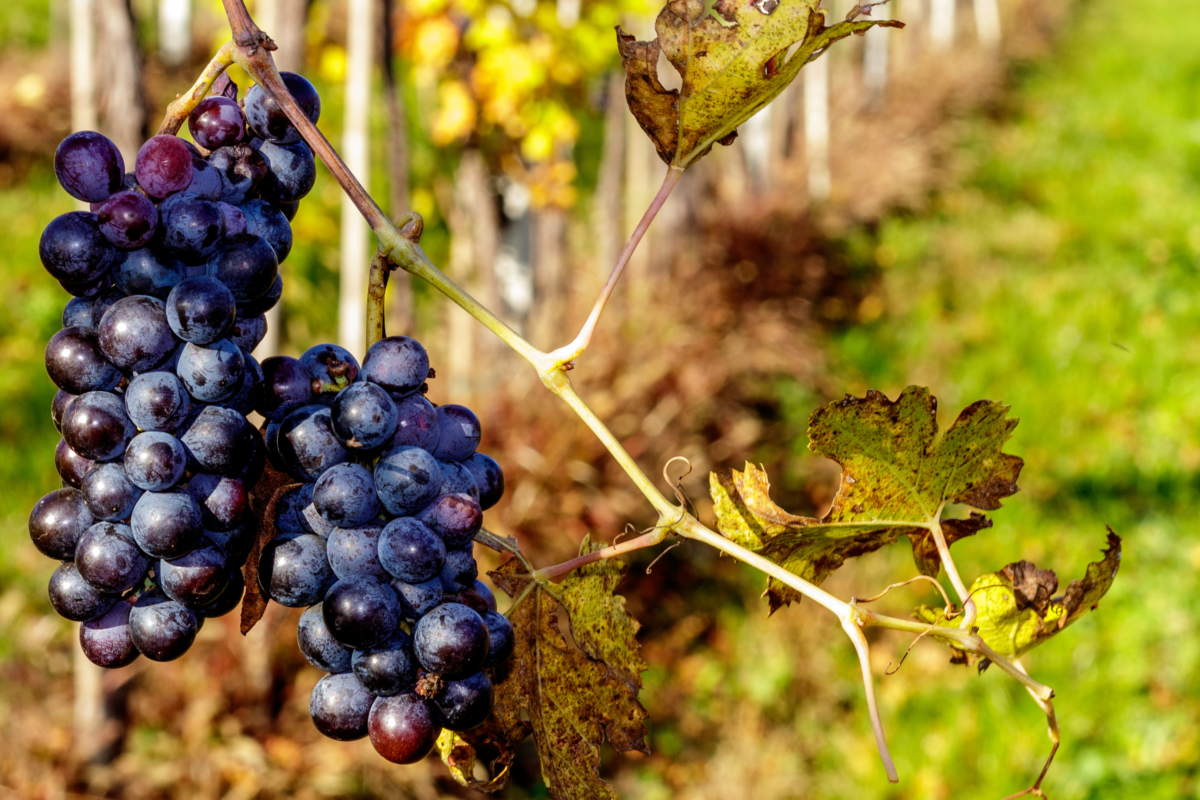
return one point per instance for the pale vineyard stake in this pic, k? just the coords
(355, 255)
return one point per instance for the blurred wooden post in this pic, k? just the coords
(875, 60)
(816, 129)
(942, 23)
(174, 31)
(401, 305)
(119, 84)
(987, 22)
(355, 261)
(754, 137)
(606, 201)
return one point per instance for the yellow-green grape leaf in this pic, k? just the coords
(732, 56)
(570, 698)
(898, 474)
(1017, 607)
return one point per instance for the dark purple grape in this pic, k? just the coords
(468, 597)
(97, 427)
(162, 629)
(407, 479)
(206, 181)
(332, 367)
(460, 432)
(157, 401)
(235, 543)
(466, 703)
(57, 522)
(419, 598)
(457, 479)
(489, 598)
(364, 417)
(229, 598)
(246, 264)
(340, 706)
(291, 172)
(248, 332)
(345, 495)
(235, 220)
(58, 407)
(109, 493)
(249, 394)
(242, 169)
(163, 166)
(71, 466)
(388, 668)
(128, 220)
(76, 364)
(361, 611)
(402, 728)
(417, 423)
(451, 641)
(166, 524)
(155, 461)
(398, 364)
(489, 479)
(74, 598)
(196, 578)
(134, 334)
(218, 440)
(78, 313)
(148, 271)
(267, 118)
(104, 302)
(454, 517)
(201, 310)
(89, 166)
(268, 222)
(288, 209)
(286, 386)
(459, 571)
(410, 551)
(318, 646)
(294, 571)
(217, 122)
(355, 551)
(262, 305)
(107, 641)
(500, 638)
(223, 501)
(211, 372)
(307, 444)
(192, 227)
(109, 559)
(289, 508)
(87, 289)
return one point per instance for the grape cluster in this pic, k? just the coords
(377, 541)
(171, 272)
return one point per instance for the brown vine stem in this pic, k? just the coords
(943, 548)
(1047, 708)
(177, 111)
(558, 570)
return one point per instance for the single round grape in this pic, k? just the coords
(249, 394)
(407, 479)
(361, 611)
(460, 432)
(74, 598)
(211, 372)
(78, 313)
(402, 728)
(128, 220)
(242, 169)
(97, 427)
(163, 166)
(246, 264)
(217, 122)
(318, 645)
(419, 598)
(157, 401)
(192, 227)
(71, 466)
(236, 543)
(345, 495)
(252, 470)
(166, 524)
(134, 334)
(340, 706)
(287, 511)
(76, 364)
(229, 598)
(155, 461)
(107, 641)
(109, 493)
(268, 222)
(489, 598)
(466, 703)
(248, 332)
(218, 440)
(57, 521)
(267, 118)
(416, 423)
(307, 444)
(87, 289)
(332, 367)
(454, 517)
(104, 302)
(148, 271)
(223, 501)
(355, 551)
(206, 181)
(58, 407)
(457, 479)
(294, 571)
(451, 641)
(262, 305)
(201, 310)
(500, 638)
(109, 559)
(364, 417)
(286, 386)
(162, 629)
(468, 597)
(196, 578)
(89, 166)
(489, 479)
(389, 667)
(398, 363)
(459, 571)
(235, 220)
(410, 551)
(291, 172)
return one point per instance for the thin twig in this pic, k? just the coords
(1047, 708)
(182, 106)
(904, 583)
(650, 539)
(943, 548)
(864, 659)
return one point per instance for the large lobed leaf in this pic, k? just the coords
(733, 58)
(898, 475)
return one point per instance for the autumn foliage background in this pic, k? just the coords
(1022, 225)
